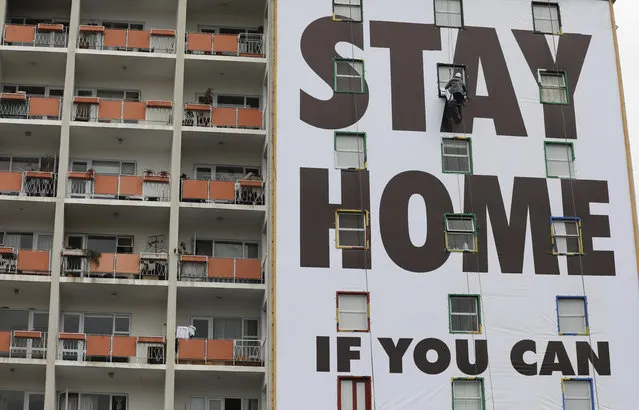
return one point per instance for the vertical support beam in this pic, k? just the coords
(174, 221)
(3, 16)
(50, 400)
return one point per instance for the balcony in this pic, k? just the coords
(80, 347)
(83, 263)
(199, 268)
(248, 352)
(123, 187)
(40, 35)
(23, 106)
(237, 45)
(203, 115)
(22, 344)
(24, 261)
(240, 192)
(146, 41)
(94, 109)
(28, 183)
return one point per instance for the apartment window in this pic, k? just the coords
(22, 164)
(224, 328)
(236, 101)
(203, 403)
(23, 319)
(461, 233)
(457, 156)
(566, 236)
(35, 90)
(546, 18)
(104, 324)
(553, 88)
(465, 314)
(349, 76)
(113, 167)
(448, 13)
(347, 10)
(577, 394)
(468, 394)
(123, 25)
(83, 401)
(445, 72)
(351, 229)
(227, 249)
(352, 312)
(560, 160)
(110, 244)
(572, 315)
(354, 393)
(350, 150)
(129, 95)
(225, 172)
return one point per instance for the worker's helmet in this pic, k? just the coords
(458, 75)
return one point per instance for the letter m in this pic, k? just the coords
(317, 217)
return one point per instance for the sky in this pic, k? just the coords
(627, 14)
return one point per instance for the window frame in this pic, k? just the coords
(34, 243)
(349, 133)
(540, 73)
(366, 215)
(453, 66)
(235, 242)
(572, 160)
(577, 379)
(368, 311)
(361, 12)
(461, 13)
(82, 317)
(30, 317)
(585, 302)
(475, 236)
(362, 78)
(540, 3)
(89, 163)
(213, 170)
(554, 219)
(41, 160)
(65, 395)
(470, 155)
(482, 390)
(477, 298)
(355, 379)
(211, 325)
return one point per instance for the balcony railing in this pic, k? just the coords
(203, 115)
(77, 263)
(23, 106)
(199, 268)
(123, 187)
(245, 352)
(149, 41)
(23, 344)
(242, 192)
(28, 183)
(93, 109)
(24, 261)
(80, 347)
(245, 44)
(41, 35)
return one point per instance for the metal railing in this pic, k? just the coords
(189, 271)
(248, 351)
(243, 194)
(251, 43)
(162, 41)
(27, 35)
(25, 261)
(104, 110)
(24, 109)
(229, 352)
(203, 115)
(27, 345)
(147, 351)
(86, 187)
(28, 183)
(151, 266)
(246, 44)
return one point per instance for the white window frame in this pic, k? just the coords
(568, 162)
(208, 400)
(80, 394)
(12, 159)
(94, 93)
(83, 315)
(447, 13)
(30, 316)
(560, 235)
(567, 398)
(451, 70)
(536, 6)
(476, 314)
(352, 63)
(342, 310)
(235, 242)
(246, 169)
(34, 245)
(562, 301)
(556, 74)
(354, 7)
(361, 150)
(85, 240)
(472, 247)
(47, 89)
(90, 162)
(469, 156)
(478, 400)
(245, 335)
(364, 229)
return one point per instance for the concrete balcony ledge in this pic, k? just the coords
(111, 281)
(220, 368)
(96, 124)
(125, 54)
(15, 277)
(24, 198)
(110, 365)
(27, 362)
(34, 49)
(221, 285)
(230, 207)
(118, 202)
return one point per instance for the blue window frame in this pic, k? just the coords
(572, 316)
(577, 393)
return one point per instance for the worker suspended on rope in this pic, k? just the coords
(456, 97)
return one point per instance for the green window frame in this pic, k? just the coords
(457, 312)
(344, 81)
(565, 231)
(452, 158)
(556, 160)
(553, 87)
(344, 150)
(461, 399)
(347, 227)
(460, 228)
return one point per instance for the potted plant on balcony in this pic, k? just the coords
(94, 256)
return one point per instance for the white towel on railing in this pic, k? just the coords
(184, 332)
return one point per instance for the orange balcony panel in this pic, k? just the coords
(110, 109)
(106, 264)
(130, 185)
(199, 42)
(194, 258)
(194, 189)
(98, 345)
(219, 350)
(114, 38)
(72, 336)
(94, 29)
(160, 32)
(105, 185)
(86, 100)
(225, 43)
(249, 117)
(134, 110)
(139, 39)
(159, 104)
(224, 117)
(222, 191)
(44, 107)
(248, 269)
(50, 27)
(10, 181)
(33, 261)
(27, 334)
(221, 268)
(127, 263)
(19, 34)
(191, 349)
(151, 339)
(124, 346)
(5, 342)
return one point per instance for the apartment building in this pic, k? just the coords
(134, 177)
